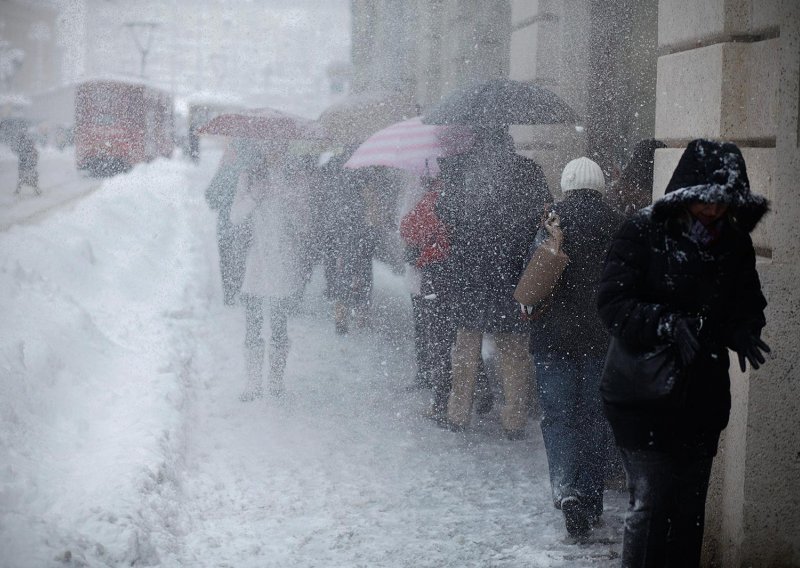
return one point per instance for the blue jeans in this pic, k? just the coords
(664, 524)
(574, 427)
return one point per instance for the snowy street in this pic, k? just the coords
(60, 182)
(123, 440)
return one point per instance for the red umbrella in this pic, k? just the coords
(412, 146)
(264, 124)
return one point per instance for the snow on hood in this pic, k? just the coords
(712, 172)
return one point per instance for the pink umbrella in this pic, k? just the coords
(412, 146)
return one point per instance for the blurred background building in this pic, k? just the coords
(276, 53)
(272, 53)
(29, 44)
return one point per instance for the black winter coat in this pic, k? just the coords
(570, 326)
(489, 249)
(655, 268)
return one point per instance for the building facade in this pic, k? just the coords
(29, 48)
(633, 69)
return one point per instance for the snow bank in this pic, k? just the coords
(94, 353)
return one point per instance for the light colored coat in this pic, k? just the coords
(279, 216)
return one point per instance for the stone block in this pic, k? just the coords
(535, 53)
(766, 15)
(750, 90)
(524, 53)
(689, 94)
(772, 475)
(522, 10)
(684, 23)
(726, 90)
(665, 162)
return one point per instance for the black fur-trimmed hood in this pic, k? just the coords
(712, 172)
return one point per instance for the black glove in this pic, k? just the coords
(748, 346)
(684, 332)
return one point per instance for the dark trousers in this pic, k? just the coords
(664, 524)
(434, 335)
(574, 430)
(233, 241)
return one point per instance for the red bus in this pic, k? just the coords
(120, 124)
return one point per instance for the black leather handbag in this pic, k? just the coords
(650, 377)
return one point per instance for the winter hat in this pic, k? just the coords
(712, 172)
(582, 173)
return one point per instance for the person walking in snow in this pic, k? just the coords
(28, 172)
(349, 242)
(275, 273)
(680, 278)
(569, 343)
(427, 247)
(491, 205)
(233, 240)
(14, 133)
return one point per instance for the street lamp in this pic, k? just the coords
(142, 44)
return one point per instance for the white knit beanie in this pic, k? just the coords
(582, 173)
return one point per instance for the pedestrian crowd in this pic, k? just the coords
(623, 358)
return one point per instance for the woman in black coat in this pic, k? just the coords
(491, 205)
(680, 272)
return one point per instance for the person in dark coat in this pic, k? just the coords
(349, 243)
(682, 273)
(14, 133)
(28, 170)
(233, 240)
(427, 247)
(492, 202)
(634, 188)
(569, 343)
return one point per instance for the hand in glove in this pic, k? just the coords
(683, 331)
(749, 347)
(553, 227)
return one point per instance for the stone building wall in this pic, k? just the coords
(729, 69)
(34, 30)
(597, 55)
(428, 48)
(550, 47)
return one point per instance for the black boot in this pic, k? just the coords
(576, 518)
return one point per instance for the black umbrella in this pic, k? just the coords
(501, 102)
(14, 132)
(12, 127)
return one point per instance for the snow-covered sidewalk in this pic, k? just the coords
(123, 442)
(60, 182)
(346, 472)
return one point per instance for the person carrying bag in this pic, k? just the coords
(545, 267)
(568, 342)
(680, 279)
